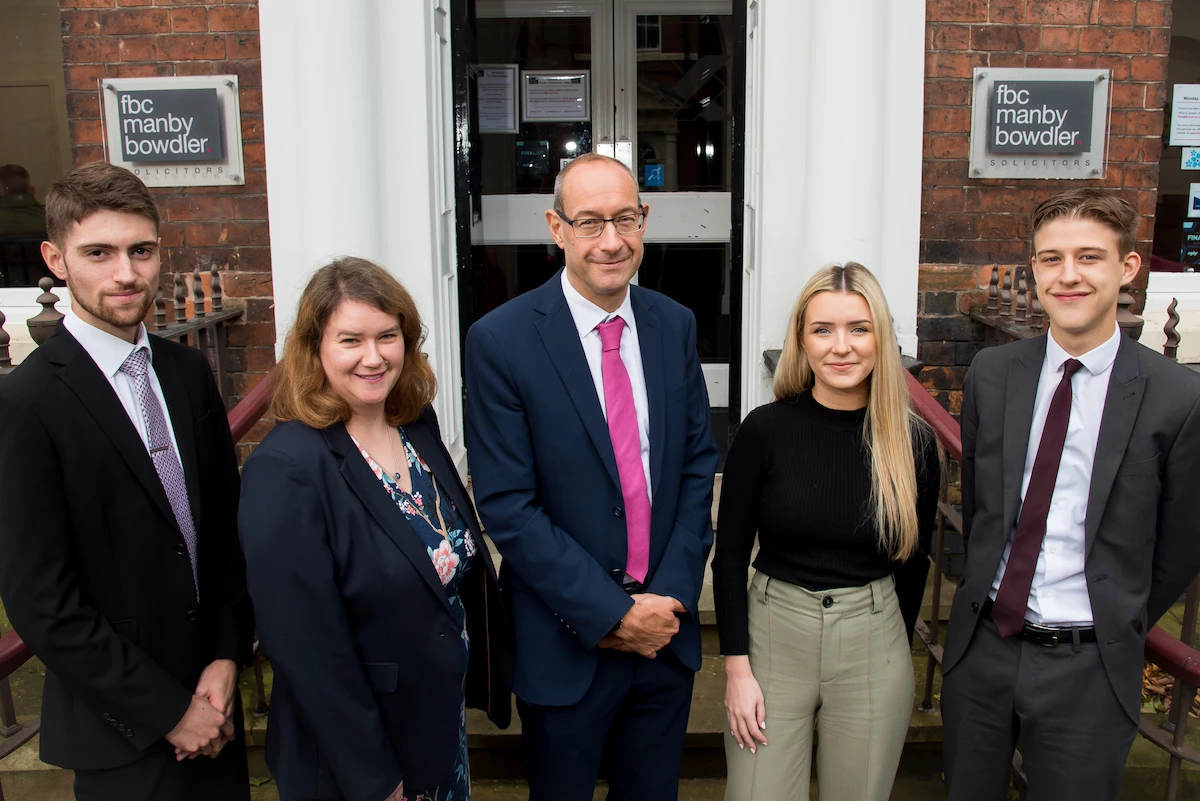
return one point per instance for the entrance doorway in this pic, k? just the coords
(649, 82)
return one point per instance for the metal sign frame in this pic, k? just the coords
(1087, 165)
(228, 170)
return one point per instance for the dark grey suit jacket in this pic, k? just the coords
(1142, 538)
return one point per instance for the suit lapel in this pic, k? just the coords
(180, 408)
(650, 340)
(561, 339)
(367, 487)
(1020, 394)
(81, 375)
(1125, 391)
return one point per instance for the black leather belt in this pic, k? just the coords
(1048, 636)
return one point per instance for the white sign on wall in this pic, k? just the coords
(175, 131)
(1185, 115)
(1194, 201)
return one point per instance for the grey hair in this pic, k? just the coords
(588, 158)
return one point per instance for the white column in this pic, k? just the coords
(838, 178)
(356, 119)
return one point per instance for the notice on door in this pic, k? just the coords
(496, 90)
(1185, 115)
(550, 96)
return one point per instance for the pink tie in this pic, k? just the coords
(627, 447)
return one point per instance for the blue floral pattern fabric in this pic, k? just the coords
(450, 545)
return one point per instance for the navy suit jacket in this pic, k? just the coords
(547, 489)
(365, 647)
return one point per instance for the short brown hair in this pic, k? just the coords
(98, 186)
(1092, 204)
(302, 392)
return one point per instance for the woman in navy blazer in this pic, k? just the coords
(375, 597)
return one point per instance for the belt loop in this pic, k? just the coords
(876, 597)
(1075, 646)
(763, 578)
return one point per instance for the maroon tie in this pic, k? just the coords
(1012, 599)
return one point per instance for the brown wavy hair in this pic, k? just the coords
(302, 392)
(98, 186)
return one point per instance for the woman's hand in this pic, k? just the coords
(744, 704)
(397, 794)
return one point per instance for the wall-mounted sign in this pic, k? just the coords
(1189, 251)
(655, 175)
(175, 131)
(496, 91)
(1039, 123)
(1185, 115)
(1194, 201)
(1040, 117)
(554, 96)
(1191, 159)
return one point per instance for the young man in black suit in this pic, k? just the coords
(119, 558)
(1080, 452)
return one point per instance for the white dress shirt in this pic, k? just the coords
(587, 316)
(109, 353)
(1059, 595)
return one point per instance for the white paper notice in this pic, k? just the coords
(556, 97)
(497, 99)
(1185, 115)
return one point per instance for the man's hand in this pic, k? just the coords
(647, 627)
(218, 683)
(199, 731)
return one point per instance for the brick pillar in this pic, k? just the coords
(202, 226)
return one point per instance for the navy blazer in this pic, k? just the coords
(547, 488)
(365, 648)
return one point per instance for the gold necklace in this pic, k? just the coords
(395, 461)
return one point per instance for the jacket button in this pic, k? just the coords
(181, 550)
(618, 511)
(827, 602)
(191, 615)
(975, 607)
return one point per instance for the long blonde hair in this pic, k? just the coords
(890, 420)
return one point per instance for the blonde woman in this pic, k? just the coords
(839, 481)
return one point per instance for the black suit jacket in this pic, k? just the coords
(94, 571)
(1141, 545)
(365, 647)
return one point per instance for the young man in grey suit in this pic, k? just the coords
(1080, 451)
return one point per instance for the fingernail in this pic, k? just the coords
(741, 746)
(752, 751)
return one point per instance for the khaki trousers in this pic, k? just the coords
(836, 663)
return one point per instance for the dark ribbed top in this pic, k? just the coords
(799, 476)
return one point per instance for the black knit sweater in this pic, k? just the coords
(799, 476)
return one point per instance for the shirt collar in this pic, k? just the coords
(588, 315)
(107, 351)
(1096, 361)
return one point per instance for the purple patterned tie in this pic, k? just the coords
(162, 451)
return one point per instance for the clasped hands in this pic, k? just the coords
(207, 725)
(647, 627)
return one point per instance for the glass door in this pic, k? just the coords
(653, 91)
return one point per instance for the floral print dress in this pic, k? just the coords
(450, 546)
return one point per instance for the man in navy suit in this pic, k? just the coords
(592, 459)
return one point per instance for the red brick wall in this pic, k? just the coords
(204, 226)
(967, 225)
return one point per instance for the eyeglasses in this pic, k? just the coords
(592, 228)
